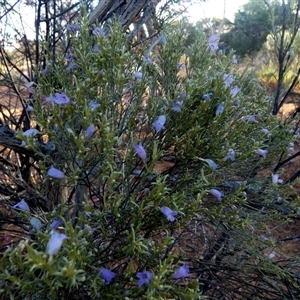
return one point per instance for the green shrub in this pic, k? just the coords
(120, 117)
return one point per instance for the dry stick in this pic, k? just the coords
(13, 84)
(10, 9)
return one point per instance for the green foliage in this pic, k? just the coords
(119, 225)
(250, 28)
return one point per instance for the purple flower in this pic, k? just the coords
(262, 152)
(70, 28)
(71, 65)
(107, 275)
(213, 42)
(181, 272)
(60, 98)
(234, 91)
(169, 213)
(217, 194)
(177, 106)
(138, 75)
(275, 178)
(237, 102)
(31, 132)
(266, 131)
(211, 163)
(220, 109)
(46, 72)
(147, 59)
(55, 242)
(228, 79)
(250, 119)
(89, 132)
(55, 224)
(94, 105)
(36, 223)
(230, 155)
(182, 96)
(22, 205)
(29, 108)
(73, 28)
(96, 48)
(159, 123)
(69, 58)
(207, 96)
(144, 277)
(98, 32)
(140, 151)
(55, 173)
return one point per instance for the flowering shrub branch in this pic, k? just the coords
(158, 162)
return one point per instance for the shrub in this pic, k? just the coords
(154, 175)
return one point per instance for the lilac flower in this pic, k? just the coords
(291, 148)
(266, 131)
(181, 272)
(140, 151)
(61, 98)
(89, 131)
(230, 155)
(207, 96)
(159, 123)
(220, 109)
(169, 213)
(234, 91)
(144, 277)
(46, 72)
(96, 48)
(213, 42)
(94, 105)
(250, 119)
(31, 132)
(262, 152)
(138, 75)
(98, 32)
(228, 79)
(211, 163)
(107, 275)
(36, 223)
(29, 108)
(70, 28)
(177, 106)
(218, 194)
(55, 224)
(275, 178)
(22, 205)
(69, 58)
(55, 242)
(71, 65)
(271, 255)
(73, 28)
(55, 173)
(182, 96)
(147, 59)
